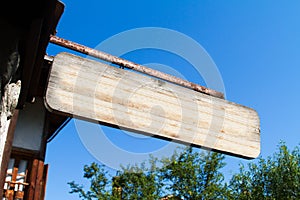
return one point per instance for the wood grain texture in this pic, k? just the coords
(118, 97)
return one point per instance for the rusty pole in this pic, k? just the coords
(131, 65)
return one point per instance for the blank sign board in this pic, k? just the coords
(95, 91)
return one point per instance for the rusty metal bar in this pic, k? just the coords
(131, 65)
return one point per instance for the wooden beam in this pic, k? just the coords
(32, 179)
(32, 43)
(36, 186)
(44, 183)
(39, 181)
(122, 98)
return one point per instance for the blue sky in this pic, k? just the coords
(255, 45)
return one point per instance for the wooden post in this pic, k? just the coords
(32, 179)
(45, 177)
(38, 177)
(39, 181)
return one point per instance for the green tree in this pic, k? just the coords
(187, 174)
(138, 182)
(277, 177)
(98, 177)
(190, 174)
(194, 175)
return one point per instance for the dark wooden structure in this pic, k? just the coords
(23, 173)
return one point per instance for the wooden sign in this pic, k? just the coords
(132, 101)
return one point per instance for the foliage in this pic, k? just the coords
(277, 177)
(190, 174)
(97, 176)
(137, 183)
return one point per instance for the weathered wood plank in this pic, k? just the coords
(99, 92)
